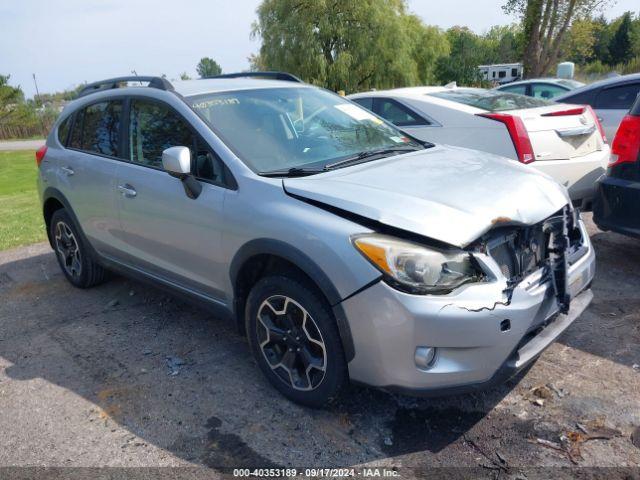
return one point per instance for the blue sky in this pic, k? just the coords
(66, 43)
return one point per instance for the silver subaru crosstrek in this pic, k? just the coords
(343, 249)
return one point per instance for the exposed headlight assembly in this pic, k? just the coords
(415, 268)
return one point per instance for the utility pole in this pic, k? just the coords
(36, 84)
(44, 128)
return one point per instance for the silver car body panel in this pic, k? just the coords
(449, 194)
(452, 195)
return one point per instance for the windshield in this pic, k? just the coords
(491, 100)
(276, 129)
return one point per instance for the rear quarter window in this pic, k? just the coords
(397, 113)
(63, 131)
(366, 102)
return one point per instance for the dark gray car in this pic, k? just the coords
(611, 99)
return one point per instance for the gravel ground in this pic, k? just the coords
(124, 375)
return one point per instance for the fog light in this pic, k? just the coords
(424, 357)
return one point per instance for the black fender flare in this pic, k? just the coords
(278, 248)
(52, 192)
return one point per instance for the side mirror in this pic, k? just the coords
(177, 163)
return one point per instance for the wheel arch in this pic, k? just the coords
(260, 256)
(53, 200)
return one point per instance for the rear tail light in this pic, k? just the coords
(564, 113)
(598, 124)
(517, 132)
(40, 153)
(626, 144)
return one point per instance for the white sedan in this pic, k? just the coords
(564, 141)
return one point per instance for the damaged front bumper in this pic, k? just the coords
(482, 333)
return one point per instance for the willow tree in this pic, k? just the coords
(545, 24)
(347, 45)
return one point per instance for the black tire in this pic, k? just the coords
(320, 387)
(81, 270)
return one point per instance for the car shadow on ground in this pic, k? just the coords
(172, 374)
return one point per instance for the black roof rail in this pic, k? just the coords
(153, 82)
(288, 77)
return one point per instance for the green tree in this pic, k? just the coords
(545, 24)
(620, 44)
(602, 33)
(208, 67)
(11, 101)
(581, 40)
(466, 54)
(350, 45)
(428, 44)
(502, 44)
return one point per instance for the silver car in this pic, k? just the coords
(343, 248)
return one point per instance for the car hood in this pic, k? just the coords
(449, 194)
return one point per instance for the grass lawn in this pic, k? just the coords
(21, 220)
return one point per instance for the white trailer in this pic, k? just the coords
(501, 72)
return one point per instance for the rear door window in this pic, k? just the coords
(396, 113)
(96, 129)
(617, 98)
(101, 128)
(75, 140)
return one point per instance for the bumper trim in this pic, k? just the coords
(522, 356)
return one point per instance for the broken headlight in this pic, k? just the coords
(415, 268)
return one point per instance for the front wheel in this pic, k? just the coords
(295, 340)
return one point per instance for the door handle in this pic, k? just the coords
(127, 190)
(68, 171)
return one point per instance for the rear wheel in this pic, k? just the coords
(73, 256)
(295, 340)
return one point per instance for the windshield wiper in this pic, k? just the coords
(292, 172)
(360, 157)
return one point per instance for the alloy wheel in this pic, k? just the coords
(68, 249)
(291, 342)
